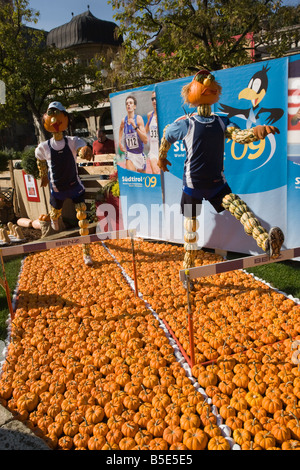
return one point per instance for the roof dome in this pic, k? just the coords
(84, 29)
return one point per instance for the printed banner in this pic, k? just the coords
(293, 156)
(265, 174)
(251, 95)
(136, 140)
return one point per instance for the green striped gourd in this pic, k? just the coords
(250, 224)
(228, 199)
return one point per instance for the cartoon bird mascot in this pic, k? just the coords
(56, 161)
(203, 135)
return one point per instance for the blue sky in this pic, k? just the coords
(54, 13)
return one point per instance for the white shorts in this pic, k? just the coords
(138, 159)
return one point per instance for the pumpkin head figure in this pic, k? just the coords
(56, 118)
(203, 89)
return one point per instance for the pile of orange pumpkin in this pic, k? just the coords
(89, 365)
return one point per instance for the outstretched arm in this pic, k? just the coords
(86, 153)
(250, 135)
(43, 172)
(163, 152)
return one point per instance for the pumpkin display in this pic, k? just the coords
(195, 439)
(90, 366)
(218, 443)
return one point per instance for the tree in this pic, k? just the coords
(34, 73)
(166, 39)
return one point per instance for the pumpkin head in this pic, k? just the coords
(56, 118)
(203, 89)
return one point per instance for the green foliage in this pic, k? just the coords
(5, 156)
(110, 188)
(33, 73)
(29, 163)
(3, 161)
(167, 39)
(115, 189)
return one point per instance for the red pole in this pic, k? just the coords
(190, 320)
(134, 268)
(5, 285)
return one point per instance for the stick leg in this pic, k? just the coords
(270, 242)
(83, 224)
(54, 216)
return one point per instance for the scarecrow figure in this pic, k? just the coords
(56, 161)
(203, 135)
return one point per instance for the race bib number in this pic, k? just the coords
(132, 141)
(153, 133)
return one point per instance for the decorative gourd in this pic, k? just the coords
(81, 206)
(81, 215)
(218, 443)
(191, 224)
(228, 199)
(195, 439)
(202, 90)
(250, 224)
(239, 210)
(23, 222)
(190, 246)
(19, 233)
(247, 215)
(4, 236)
(84, 223)
(86, 153)
(36, 224)
(191, 237)
(234, 205)
(44, 217)
(56, 123)
(84, 231)
(257, 230)
(264, 439)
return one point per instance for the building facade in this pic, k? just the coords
(88, 36)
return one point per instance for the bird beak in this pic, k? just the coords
(251, 95)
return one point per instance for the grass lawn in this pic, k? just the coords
(284, 276)
(12, 269)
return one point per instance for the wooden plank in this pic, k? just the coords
(240, 263)
(96, 175)
(79, 240)
(92, 190)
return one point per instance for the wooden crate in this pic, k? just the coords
(95, 176)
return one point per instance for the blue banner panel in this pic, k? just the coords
(252, 95)
(293, 156)
(136, 138)
(258, 97)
